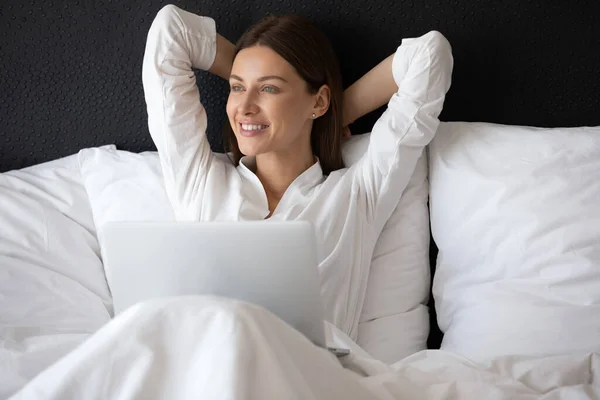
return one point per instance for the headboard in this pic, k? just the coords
(70, 71)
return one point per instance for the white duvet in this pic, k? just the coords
(212, 348)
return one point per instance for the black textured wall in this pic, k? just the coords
(70, 69)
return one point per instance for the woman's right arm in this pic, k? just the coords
(177, 42)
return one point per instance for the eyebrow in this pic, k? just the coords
(261, 79)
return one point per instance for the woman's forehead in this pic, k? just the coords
(260, 62)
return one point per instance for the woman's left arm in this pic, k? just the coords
(371, 91)
(414, 81)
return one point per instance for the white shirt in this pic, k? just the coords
(348, 208)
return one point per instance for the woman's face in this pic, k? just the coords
(269, 106)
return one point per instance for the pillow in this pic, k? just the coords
(394, 321)
(52, 284)
(515, 213)
(124, 186)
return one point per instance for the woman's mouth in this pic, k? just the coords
(250, 130)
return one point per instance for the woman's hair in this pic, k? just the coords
(309, 51)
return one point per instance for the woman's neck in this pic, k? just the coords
(277, 171)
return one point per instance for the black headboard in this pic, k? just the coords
(70, 70)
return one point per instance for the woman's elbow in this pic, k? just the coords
(438, 43)
(441, 53)
(165, 17)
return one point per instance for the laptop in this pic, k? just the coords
(268, 263)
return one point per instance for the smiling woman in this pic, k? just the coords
(286, 78)
(286, 112)
(272, 115)
(286, 118)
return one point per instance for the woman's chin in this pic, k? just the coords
(251, 151)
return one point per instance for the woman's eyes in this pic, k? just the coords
(269, 89)
(266, 89)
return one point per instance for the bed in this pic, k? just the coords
(510, 208)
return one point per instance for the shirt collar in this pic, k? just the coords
(304, 182)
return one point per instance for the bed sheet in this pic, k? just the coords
(208, 347)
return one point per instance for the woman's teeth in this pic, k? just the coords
(253, 127)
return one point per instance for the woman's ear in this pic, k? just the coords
(322, 99)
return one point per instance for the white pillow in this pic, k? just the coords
(52, 284)
(394, 322)
(515, 213)
(125, 186)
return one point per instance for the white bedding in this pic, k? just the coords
(53, 293)
(206, 347)
(515, 213)
(54, 297)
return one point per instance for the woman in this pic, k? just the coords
(287, 115)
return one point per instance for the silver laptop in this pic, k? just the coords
(268, 263)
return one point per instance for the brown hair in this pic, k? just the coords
(309, 51)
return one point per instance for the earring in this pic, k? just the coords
(314, 115)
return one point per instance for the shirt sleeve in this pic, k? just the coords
(422, 70)
(177, 42)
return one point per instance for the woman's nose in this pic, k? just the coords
(248, 105)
